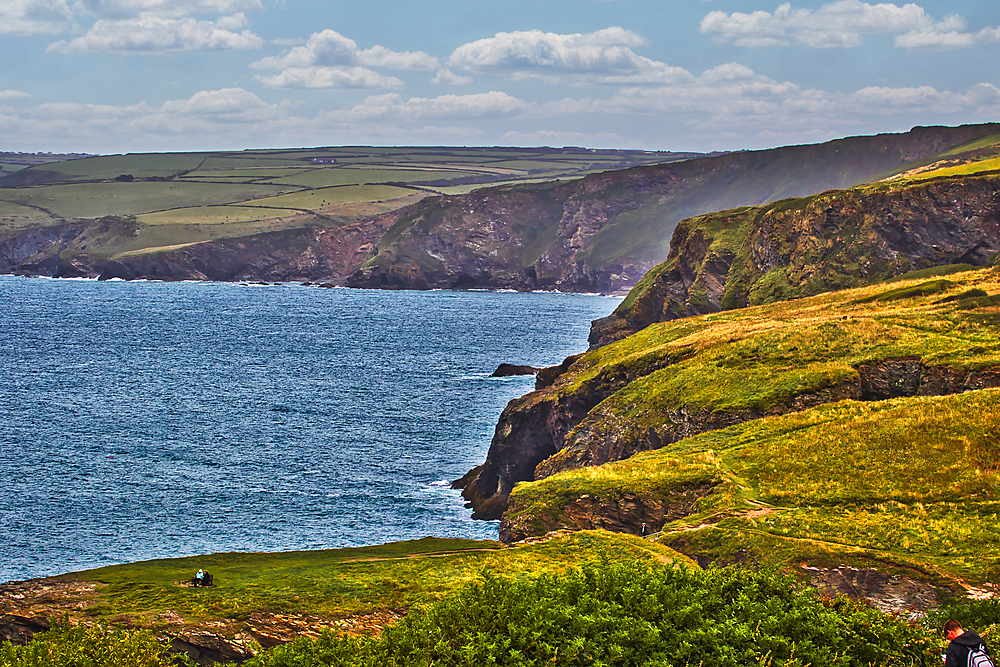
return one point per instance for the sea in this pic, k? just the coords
(143, 420)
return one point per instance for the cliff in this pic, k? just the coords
(849, 435)
(79, 249)
(646, 391)
(605, 231)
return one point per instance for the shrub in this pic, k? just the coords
(626, 614)
(80, 646)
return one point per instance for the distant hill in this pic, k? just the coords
(603, 232)
(407, 218)
(59, 218)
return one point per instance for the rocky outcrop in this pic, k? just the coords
(556, 428)
(803, 247)
(889, 593)
(600, 438)
(19, 630)
(534, 427)
(73, 249)
(508, 370)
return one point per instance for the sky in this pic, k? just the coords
(119, 76)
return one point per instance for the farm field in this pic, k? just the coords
(272, 189)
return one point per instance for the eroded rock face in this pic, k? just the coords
(625, 514)
(307, 253)
(19, 630)
(549, 431)
(605, 231)
(887, 592)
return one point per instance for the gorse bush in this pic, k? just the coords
(80, 646)
(626, 614)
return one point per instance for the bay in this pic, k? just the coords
(146, 420)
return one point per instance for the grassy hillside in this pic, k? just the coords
(278, 596)
(855, 427)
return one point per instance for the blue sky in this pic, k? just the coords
(114, 76)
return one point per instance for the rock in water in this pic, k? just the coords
(506, 370)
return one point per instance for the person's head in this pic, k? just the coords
(952, 629)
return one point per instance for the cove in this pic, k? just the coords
(159, 419)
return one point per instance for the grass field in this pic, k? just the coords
(94, 200)
(341, 582)
(214, 215)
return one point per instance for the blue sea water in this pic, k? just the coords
(144, 420)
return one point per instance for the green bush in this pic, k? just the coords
(626, 614)
(978, 615)
(80, 646)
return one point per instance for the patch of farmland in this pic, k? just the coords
(93, 200)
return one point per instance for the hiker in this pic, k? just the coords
(198, 578)
(967, 649)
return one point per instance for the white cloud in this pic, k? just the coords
(34, 17)
(558, 138)
(329, 78)
(12, 94)
(227, 104)
(836, 24)
(331, 49)
(731, 100)
(379, 56)
(331, 60)
(129, 9)
(449, 78)
(155, 35)
(602, 57)
(886, 100)
(940, 40)
(493, 104)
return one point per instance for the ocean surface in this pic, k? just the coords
(146, 420)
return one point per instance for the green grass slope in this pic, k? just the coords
(322, 588)
(856, 427)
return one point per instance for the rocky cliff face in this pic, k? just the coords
(806, 246)
(74, 249)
